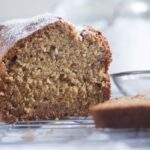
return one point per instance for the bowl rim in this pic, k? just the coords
(114, 77)
(129, 73)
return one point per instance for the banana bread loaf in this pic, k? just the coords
(124, 112)
(49, 70)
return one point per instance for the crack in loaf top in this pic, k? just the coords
(14, 30)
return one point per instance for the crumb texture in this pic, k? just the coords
(50, 71)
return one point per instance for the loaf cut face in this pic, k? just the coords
(49, 70)
(124, 112)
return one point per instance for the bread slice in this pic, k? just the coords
(124, 112)
(49, 70)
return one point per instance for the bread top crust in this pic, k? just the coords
(13, 31)
(138, 101)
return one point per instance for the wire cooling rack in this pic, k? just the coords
(42, 131)
(80, 132)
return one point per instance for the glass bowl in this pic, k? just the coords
(132, 82)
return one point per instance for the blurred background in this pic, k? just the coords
(125, 23)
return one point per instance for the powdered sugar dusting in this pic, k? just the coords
(15, 30)
(88, 30)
